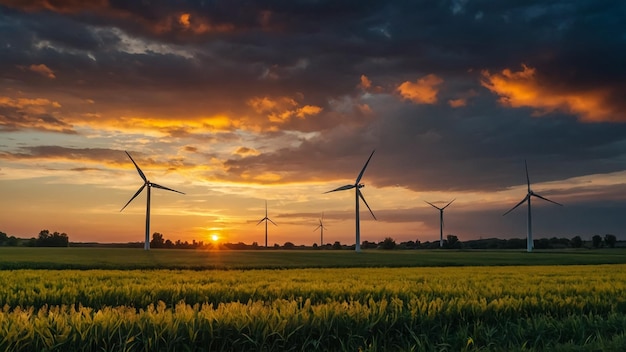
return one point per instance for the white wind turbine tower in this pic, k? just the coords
(322, 228)
(358, 195)
(148, 184)
(529, 195)
(266, 219)
(440, 220)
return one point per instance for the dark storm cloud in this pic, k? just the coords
(315, 53)
(479, 148)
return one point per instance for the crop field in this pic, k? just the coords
(126, 258)
(479, 308)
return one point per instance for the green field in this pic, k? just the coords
(130, 300)
(126, 258)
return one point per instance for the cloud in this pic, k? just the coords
(365, 82)
(99, 156)
(525, 88)
(245, 151)
(188, 23)
(457, 103)
(42, 70)
(281, 109)
(32, 113)
(423, 91)
(61, 6)
(462, 100)
(49, 152)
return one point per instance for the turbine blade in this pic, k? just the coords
(448, 204)
(544, 198)
(367, 205)
(342, 188)
(434, 206)
(527, 178)
(317, 228)
(136, 194)
(363, 170)
(518, 204)
(270, 220)
(137, 167)
(260, 221)
(165, 188)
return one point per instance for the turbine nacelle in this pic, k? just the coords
(360, 185)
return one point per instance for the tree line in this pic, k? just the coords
(44, 239)
(56, 239)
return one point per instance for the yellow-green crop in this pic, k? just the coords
(420, 309)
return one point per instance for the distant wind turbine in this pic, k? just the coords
(322, 228)
(529, 195)
(148, 184)
(266, 219)
(357, 186)
(441, 220)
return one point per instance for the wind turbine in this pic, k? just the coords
(266, 219)
(529, 195)
(441, 220)
(322, 228)
(357, 186)
(148, 184)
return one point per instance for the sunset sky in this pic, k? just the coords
(239, 102)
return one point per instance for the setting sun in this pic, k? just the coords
(215, 237)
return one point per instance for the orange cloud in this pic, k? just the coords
(457, 103)
(365, 82)
(308, 110)
(423, 91)
(185, 22)
(37, 113)
(524, 89)
(42, 70)
(35, 105)
(282, 109)
(167, 23)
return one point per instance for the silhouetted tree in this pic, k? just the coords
(576, 242)
(157, 240)
(452, 241)
(337, 245)
(596, 240)
(12, 241)
(289, 245)
(610, 240)
(368, 245)
(47, 239)
(3, 238)
(388, 243)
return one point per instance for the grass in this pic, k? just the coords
(132, 258)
